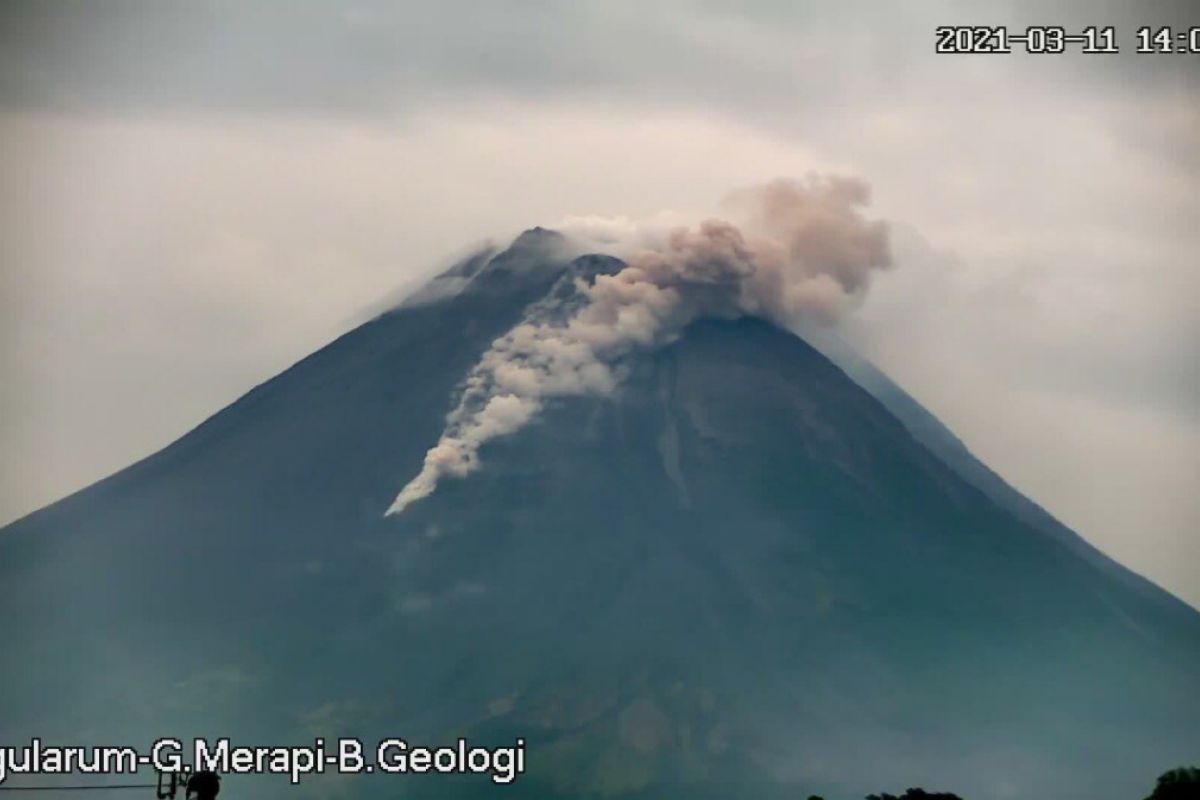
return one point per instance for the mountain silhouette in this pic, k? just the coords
(743, 574)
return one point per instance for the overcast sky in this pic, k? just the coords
(195, 195)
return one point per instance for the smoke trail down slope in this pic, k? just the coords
(804, 249)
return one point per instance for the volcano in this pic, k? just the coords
(747, 572)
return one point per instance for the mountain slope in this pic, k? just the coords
(942, 442)
(741, 575)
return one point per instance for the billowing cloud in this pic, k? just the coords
(803, 250)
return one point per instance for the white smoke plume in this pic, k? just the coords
(804, 249)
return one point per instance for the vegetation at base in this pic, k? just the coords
(1182, 783)
(911, 794)
(1177, 784)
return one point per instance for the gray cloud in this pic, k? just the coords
(381, 58)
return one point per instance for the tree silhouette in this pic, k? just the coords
(1178, 784)
(915, 794)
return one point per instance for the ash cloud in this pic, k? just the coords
(801, 250)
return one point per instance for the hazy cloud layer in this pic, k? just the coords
(381, 58)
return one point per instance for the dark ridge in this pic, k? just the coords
(739, 576)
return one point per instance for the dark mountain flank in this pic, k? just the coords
(740, 575)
